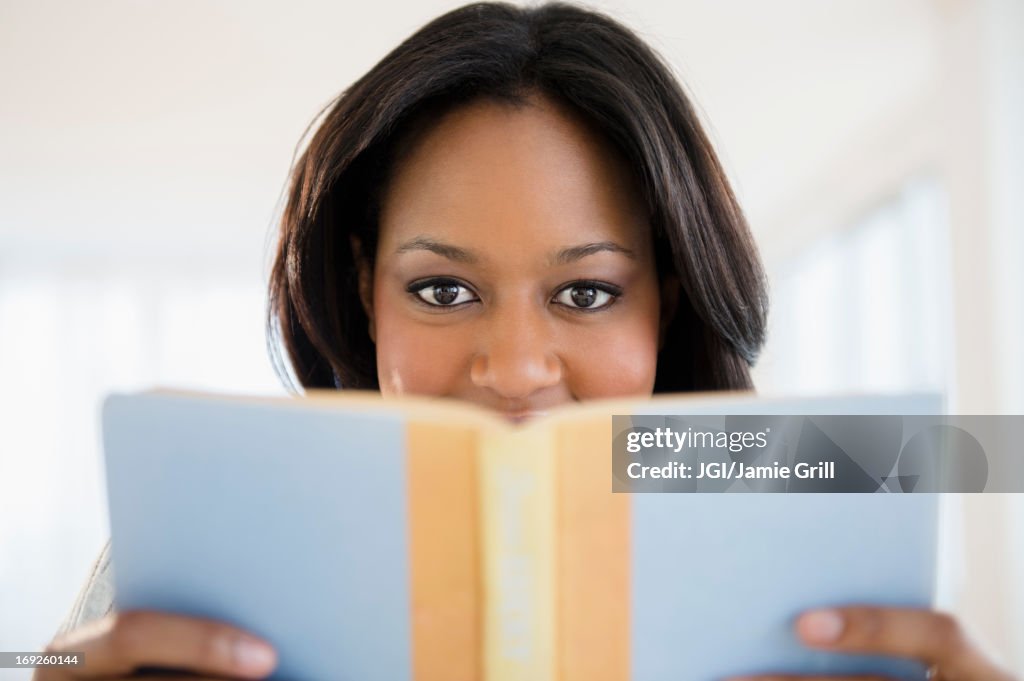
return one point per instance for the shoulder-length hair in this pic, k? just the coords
(582, 59)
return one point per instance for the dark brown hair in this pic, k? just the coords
(582, 59)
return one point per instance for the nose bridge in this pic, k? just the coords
(517, 354)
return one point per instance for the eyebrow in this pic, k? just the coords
(569, 255)
(563, 257)
(422, 243)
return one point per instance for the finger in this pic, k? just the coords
(175, 677)
(935, 638)
(120, 643)
(797, 677)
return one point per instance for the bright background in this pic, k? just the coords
(877, 146)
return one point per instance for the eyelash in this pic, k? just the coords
(415, 287)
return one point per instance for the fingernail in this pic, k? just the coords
(253, 656)
(821, 626)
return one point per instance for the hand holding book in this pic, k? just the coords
(934, 638)
(141, 644)
(123, 645)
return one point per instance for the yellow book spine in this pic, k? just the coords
(446, 603)
(593, 559)
(517, 511)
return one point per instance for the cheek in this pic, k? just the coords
(413, 358)
(615, 360)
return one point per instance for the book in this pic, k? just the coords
(422, 539)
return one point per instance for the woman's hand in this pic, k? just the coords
(934, 638)
(126, 644)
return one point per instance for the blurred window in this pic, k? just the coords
(864, 308)
(69, 334)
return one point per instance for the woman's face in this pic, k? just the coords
(514, 267)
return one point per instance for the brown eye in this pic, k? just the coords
(585, 297)
(443, 293)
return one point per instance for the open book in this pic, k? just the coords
(425, 539)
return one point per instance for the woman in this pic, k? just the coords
(516, 207)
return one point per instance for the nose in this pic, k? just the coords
(517, 355)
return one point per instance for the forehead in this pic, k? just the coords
(532, 176)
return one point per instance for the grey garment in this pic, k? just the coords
(96, 598)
